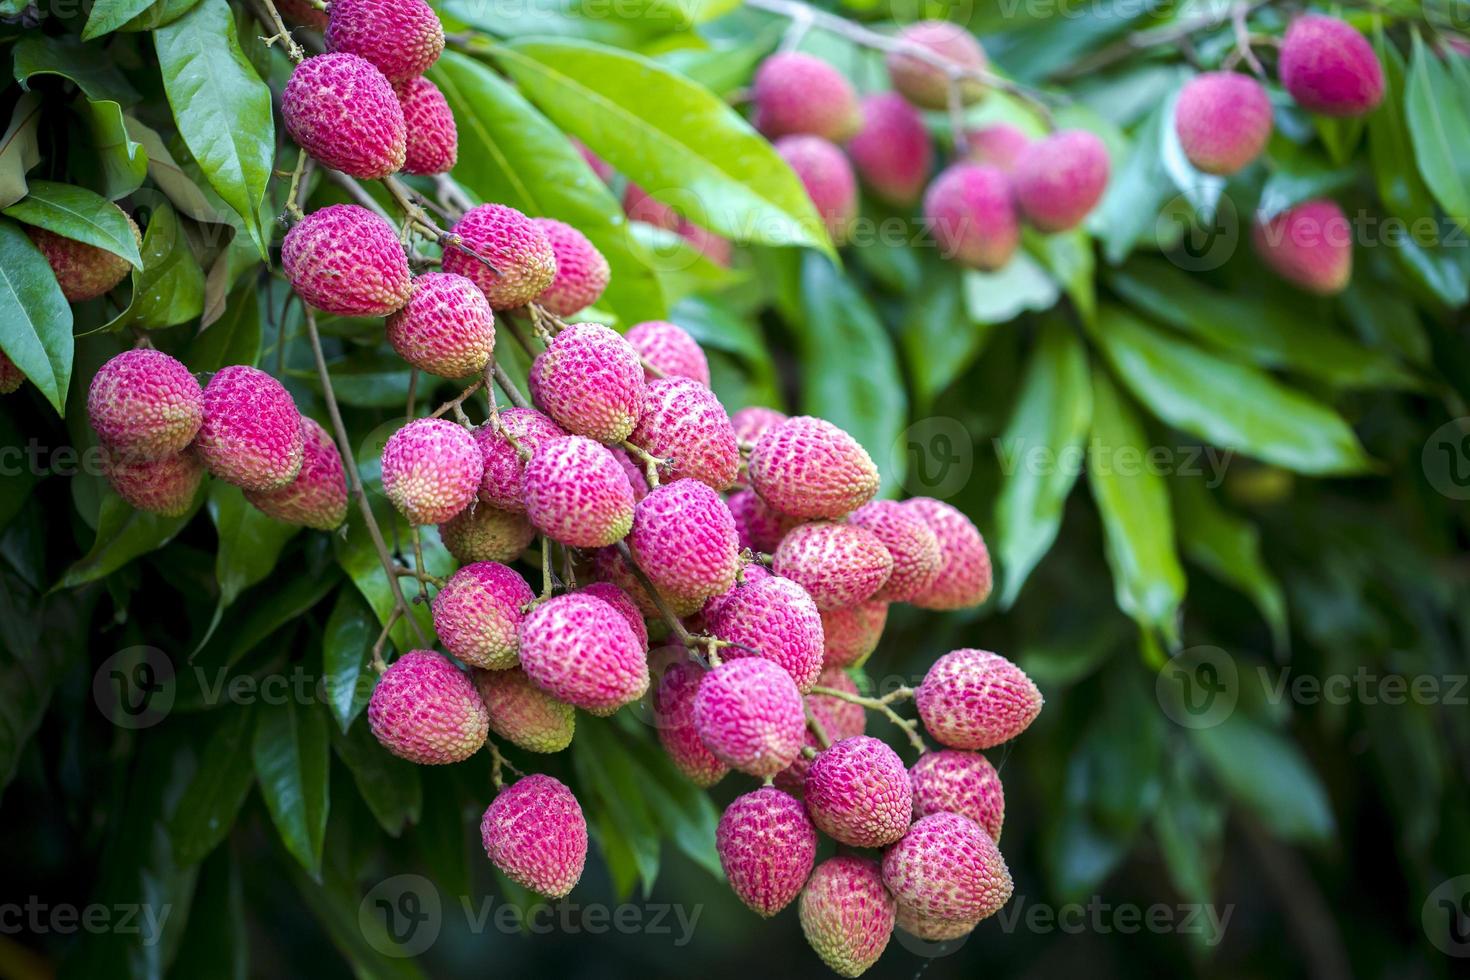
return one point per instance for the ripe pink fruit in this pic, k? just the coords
(431, 469)
(626, 607)
(165, 486)
(447, 327)
(970, 211)
(1059, 179)
(846, 914)
(748, 575)
(851, 633)
(426, 710)
(839, 719)
(892, 154)
(581, 650)
(858, 792)
(775, 619)
(250, 434)
(828, 179)
(767, 845)
(581, 270)
(931, 928)
(975, 699)
(684, 539)
(685, 424)
(1310, 246)
(401, 38)
(839, 564)
(808, 468)
(589, 379)
(536, 835)
(522, 713)
(1328, 67)
(1223, 119)
(996, 146)
(927, 85)
(478, 613)
(504, 483)
(798, 93)
(431, 144)
(760, 528)
(749, 714)
(145, 404)
(342, 111)
(669, 348)
(966, 783)
(11, 377)
(637, 476)
(912, 543)
(673, 711)
(317, 498)
(508, 240)
(82, 271)
(947, 867)
(751, 422)
(346, 260)
(964, 579)
(485, 533)
(577, 494)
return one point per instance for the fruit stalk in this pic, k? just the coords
(883, 705)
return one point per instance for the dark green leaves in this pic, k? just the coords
(388, 785)
(209, 806)
(77, 213)
(35, 320)
(1267, 773)
(346, 649)
(19, 151)
(1436, 108)
(291, 762)
(108, 15)
(170, 288)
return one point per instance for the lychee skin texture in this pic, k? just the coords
(344, 259)
(748, 713)
(851, 633)
(858, 792)
(927, 85)
(975, 699)
(684, 539)
(426, 710)
(1328, 67)
(798, 93)
(82, 271)
(669, 348)
(165, 486)
(965, 575)
(447, 327)
(751, 422)
(144, 404)
(590, 381)
(932, 928)
(775, 619)
(317, 498)
(581, 650)
(839, 719)
(1223, 119)
(767, 846)
(510, 242)
(637, 476)
(1058, 180)
(504, 483)
(485, 533)
(947, 867)
(11, 377)
(892, 153)
(401, 38)
(535, 833)
(761, 528)
(970, 211)
(522, 713)
(577, 494)
(839, 564)
(581, 270)
(808, 468)
(478, 614)
(847, 915)
(966, 783)
(1310, 246)
(748, 575)
(828, 179)
(684, 424)
(431, 138)
(250, 434)
(431, 470)
(626, 607)
(917, 559)
(673, 708)
(997, 146)
(342, 111)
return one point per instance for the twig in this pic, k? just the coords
(910, 726)
(404, 571)
(458, 399)
(508, 385)
(1129, 45)
(283, 33)
(676, 627)
(1238, 15)
(815, 724)
(378, 664)
(651, 463)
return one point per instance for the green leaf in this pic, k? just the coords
(1190, 829)
(347, 646)
(388, 785)
(41, 638)
(291, 761)
(250, 543)
(939, 340)
(170, 289)
(209, 806)
(1130, 208)
(122, 535)
(1267, 773)
(1440, 132)
(84, 65)
(80, 214)
(626, 826)
(1070, 259)
(35, 320)
(222, 108)
(182, 191)
(232, 339)
(721, 69)
(216, 944)
(19, 151)
(117, 163)
(1001, 296)
(1390, 150)
(363, 940)
(358, 557)
(108, 15)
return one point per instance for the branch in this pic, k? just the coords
(1142, 40)
(910, 726)
(675, 626)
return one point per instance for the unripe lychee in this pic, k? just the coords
(250, 434)
(431, 470)
(426, 710)
(317, 498)
(997, 146)
(590, 381)
(1329, 67)
(949, 781)
(522, 713)
(858, 792)
(809, 468)
(965, 577)
(1059, 179)
(626, 607)
(851, 633)
(344, 259)
(342, 111)
(581, 270)
(684, 540)
(431, 143)
(82, 271)
(839, 564)
(970, 211)
(761, 528)
(401, 38)
(524, 264)
(749, 713)
(165, 486)
(839, 719)
(521, 430)
(1309, 245)
(828, 179)
(767, 845)
(975, 699)
(581, 650)
(446, 328)
(926, 84)
(536, 835)
(484, 533)
(144, 404)
(794, 92)
(775, 619)
(577, 494)
(912, 543)
(947, 867)
(478, 613)
(669, 348)
(932, 928)
(1223, 119)
(684, 424)
(893, 153)
(673, 711)
(11, 377)
(847, 914)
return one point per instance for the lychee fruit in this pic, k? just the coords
(828, 179)
(477, 614)
(794, 92)
(673, 712)
(144, 404)
(767, 846)
(506, 451)
(344, 259)
(839, 719)
(892, 153)
(11, 377)
(997, 145)
(847, 914)
(931, 928)
(520, 261)
(484, 533)
(250, 434)
(975, 699)
(590, 381)
(426, 710)
(1059, 179)
(684, 540)
(684, 424)
(808, 468)
(751, 422)
(581, 270)
(950, 781)
(341, 110)
(636, 474)
(927, 85)
(965, 576)
(1223, 119)
(431, 469)
(839, 564)
(626, 607)
(668, 348)
(82, 271)
(858, 792)
(1328, 67)
(577, 494)
(165, 486)
(775, 619)
(851, 633)
(522, 713)
(970, 211)
(581, 650)
(401, 38)
(1309, 245)
(912, 543)
(317, 498)
(761, 528)
(748, 575)
(431, 138)
(535, 833)
(749, 713)
(447, 327)
(947, 867)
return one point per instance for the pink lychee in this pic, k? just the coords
(794, 92)
(828, 179)
(1328, 67)
(478, 614)
(581, 270)
(947, 867)
(761, 528)
(1223, 119)
(317, 498)
(1309, 245)
(748, 575)
(341, 110)
(858, 792)
(431, 144)
(751, 422)
(401, 38)
(847, 914)
(965, 576)
(521, 431)
(997, 145)
(431, 469)
(975, 699)
(851, 633)
(970, 211)
(144, 404)
(82, 271)
(426, 710)
(635, 472)
(535, 833)
(673, 711)
(447, 327)
(250, 434)
(581, 650)
(839, 564)
(1059, 179)
(767, 845)
(684, 424)
(668, 348)
(748, 713)
(684, 540)
(623, 603)
(522, 713)
(484, 533)
(927, 85)
(917, 558)
(520, 261)
(346, 260)
(932, 928)
(775, 619)
(949, 781)
(590, 381)
(808, 468)
(893, 153)
(165, 486)
(577, 494)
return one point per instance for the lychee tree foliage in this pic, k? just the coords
(389, 293)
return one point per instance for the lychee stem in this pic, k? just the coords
(546, 581)
(404, 571)
(1128, 45)
(418, 562)
(283, 33)
(676, 627)
(818, 730)
(378, 665)
(508, 385)
(651, 463)
(1238, 14)
(454, 404)
(910, 726)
